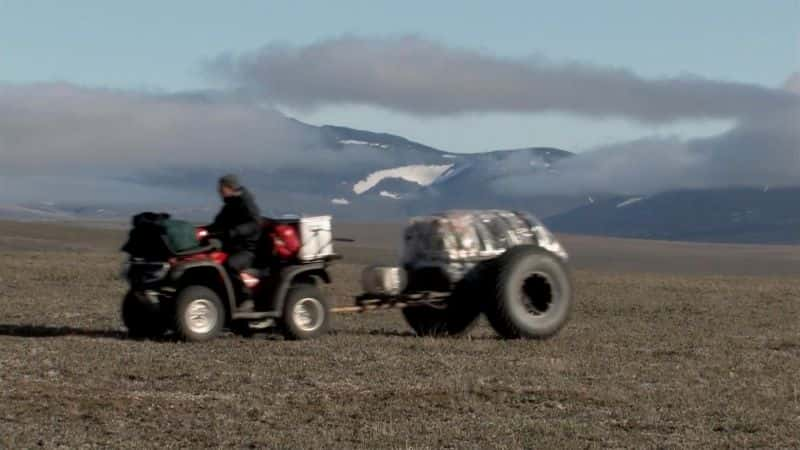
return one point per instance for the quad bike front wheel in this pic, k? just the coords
(306, 314)
(199, 314)
(142, 321)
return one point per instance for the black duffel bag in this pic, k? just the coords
(156, 236)
(146, 238)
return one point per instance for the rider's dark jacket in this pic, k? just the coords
(238, 223)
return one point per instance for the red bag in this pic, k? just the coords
(285, 241)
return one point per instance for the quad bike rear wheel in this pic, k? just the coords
(142, 321)
(199, 314)
(306, 313)
(533, 294)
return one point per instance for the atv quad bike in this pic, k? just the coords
(189, 292)
(457, 265)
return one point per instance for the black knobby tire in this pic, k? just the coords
(457, 315)
(242, 328)
(306, 313)
(141, 321)
(533, 294)
(199, 314)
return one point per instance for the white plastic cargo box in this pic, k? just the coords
(316, 238)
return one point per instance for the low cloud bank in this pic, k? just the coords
(425, 77)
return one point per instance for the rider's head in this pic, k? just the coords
(229, 186)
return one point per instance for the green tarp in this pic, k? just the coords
(180, 235)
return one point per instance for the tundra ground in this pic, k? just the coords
(670, 345)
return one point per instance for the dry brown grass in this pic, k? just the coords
(648, 360)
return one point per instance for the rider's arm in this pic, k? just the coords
(218, 226)
(213, 227)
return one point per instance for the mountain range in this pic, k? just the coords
(362, 175)
(744, 215)
(359, 175)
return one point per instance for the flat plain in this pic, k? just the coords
(670, 345)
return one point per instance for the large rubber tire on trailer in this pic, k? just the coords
(439, 320)
(454, 317)
(199, 314)
(306, 313)
(141, 321)
(533, 294)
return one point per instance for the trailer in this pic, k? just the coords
(458, 265)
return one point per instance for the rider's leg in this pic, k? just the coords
(236, 263)
(240, 261)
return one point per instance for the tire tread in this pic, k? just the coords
(497, 311)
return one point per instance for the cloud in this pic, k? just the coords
(99, 143)
(94, 189)
(793, 83)
(64, 127)
(763, 152)
(424, 77)
(110, 139)
(52, 128)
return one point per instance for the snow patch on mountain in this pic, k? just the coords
(33, 212)
(629, 202)
(539, 163)
(452, 172)
(388, 194)
(357, 142)
(419, 174)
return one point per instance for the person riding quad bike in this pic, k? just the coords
(238, 226)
